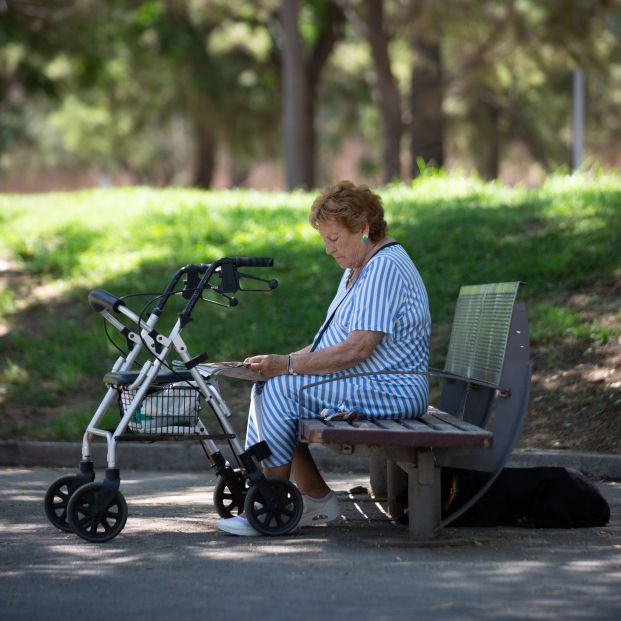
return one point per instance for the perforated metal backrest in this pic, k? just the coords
(481, 330)
(510, 407)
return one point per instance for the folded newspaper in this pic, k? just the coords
(237, 370)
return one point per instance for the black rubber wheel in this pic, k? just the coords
(279, 519)
(227, 502)
(56, 501)
(93, 525)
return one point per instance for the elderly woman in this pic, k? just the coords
(378, 321)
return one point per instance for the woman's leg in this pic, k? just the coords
(273, 417)
(305, 472)
(278, 472)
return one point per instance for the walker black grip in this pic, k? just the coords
(102, 300)
(253, 262)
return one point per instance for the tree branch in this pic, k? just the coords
(329, 35)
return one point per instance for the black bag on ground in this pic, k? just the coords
(533, 497)
(542, 497)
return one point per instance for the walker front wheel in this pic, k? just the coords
(91, 521)
(56, 501)
(273, 506)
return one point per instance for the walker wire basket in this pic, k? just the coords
(171, 409)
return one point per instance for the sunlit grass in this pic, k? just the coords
(550, 323)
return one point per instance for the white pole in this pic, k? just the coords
(578, 119)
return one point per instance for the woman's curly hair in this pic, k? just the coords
(353, 206)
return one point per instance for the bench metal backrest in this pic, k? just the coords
(489, 343)
(481, 330)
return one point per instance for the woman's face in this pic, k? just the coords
(347, 248)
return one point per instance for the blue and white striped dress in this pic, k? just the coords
(389, 296)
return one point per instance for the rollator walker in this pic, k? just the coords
(159, 401)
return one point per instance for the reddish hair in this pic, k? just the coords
(353, 206)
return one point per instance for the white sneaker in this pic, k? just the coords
(237, 525)
(320, 510)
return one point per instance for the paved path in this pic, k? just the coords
(171, 564)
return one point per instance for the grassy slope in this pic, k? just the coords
(560, 237)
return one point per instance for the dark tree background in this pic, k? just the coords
(163, 91)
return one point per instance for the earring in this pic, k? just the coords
(365, 239)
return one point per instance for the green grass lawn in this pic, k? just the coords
(563, 236)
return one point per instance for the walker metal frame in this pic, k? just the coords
(97, 511)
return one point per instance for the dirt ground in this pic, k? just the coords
(576, 385)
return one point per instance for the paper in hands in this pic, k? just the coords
(238, 370)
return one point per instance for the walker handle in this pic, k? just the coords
(101, 300)
(252, 261)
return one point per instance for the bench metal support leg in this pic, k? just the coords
(377, 474)
(397, 483)
(424, 496)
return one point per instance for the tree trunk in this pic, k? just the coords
(298, 110)
(388, 90)
(486, 139)
(205, 156)
(426, 98)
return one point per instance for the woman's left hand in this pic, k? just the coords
(268, 365)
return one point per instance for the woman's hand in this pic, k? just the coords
(268, 365)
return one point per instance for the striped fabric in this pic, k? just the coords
(390, 297)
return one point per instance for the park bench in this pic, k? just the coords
(478, 419)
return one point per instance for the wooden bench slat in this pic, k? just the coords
(363, 424)
(453, 422)
(414, 424)
(389, 425)
(429, 422)
(448, 420)
(448, 424)
(436, 429)
(426, 423)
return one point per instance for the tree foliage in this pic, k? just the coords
(157, 89)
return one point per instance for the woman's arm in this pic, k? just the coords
(357, 347)
(305, 350)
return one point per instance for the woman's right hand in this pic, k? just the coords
(268, 365)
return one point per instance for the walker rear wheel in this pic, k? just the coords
(229, 496)
(273, 506)
(56, 501)
(94, 523)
